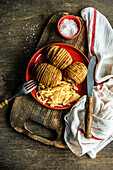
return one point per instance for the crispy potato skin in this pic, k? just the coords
(58, 57)
(47, 74)
(76, 72)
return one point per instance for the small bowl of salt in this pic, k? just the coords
(69, 26)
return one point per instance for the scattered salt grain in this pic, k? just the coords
(37, 25)
(68, 27)
(30, 35)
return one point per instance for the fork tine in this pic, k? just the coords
(28, 82)
(28, 91)
(29, 86)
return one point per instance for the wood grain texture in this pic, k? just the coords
(89, 118)
(21, 26)
(50, 118)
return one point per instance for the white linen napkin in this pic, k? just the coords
(100, 43)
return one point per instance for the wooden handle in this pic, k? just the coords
(89, 118)
(3, 103)
(58, 143)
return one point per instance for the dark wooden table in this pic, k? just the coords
(21, 26)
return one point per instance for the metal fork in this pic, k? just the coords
(25, 88)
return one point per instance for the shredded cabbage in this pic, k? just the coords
(61, 95)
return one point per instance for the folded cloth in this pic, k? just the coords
(100, 43)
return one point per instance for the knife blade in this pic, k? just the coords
(89, 109)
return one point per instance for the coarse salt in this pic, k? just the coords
(68, 27)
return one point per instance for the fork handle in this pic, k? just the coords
(3, 103)
(6, 101)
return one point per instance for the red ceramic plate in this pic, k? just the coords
(40, 57)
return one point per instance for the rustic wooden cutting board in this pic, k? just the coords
(26, 108)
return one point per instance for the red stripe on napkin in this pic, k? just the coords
(93, 32)
(82, 131)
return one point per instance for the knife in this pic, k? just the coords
(89, 109)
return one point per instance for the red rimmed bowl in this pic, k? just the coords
(69, 17)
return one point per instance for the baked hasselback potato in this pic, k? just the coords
(76, 73)
(47, 74)
(58, 57)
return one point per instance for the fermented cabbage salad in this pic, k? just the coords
(61, 95)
